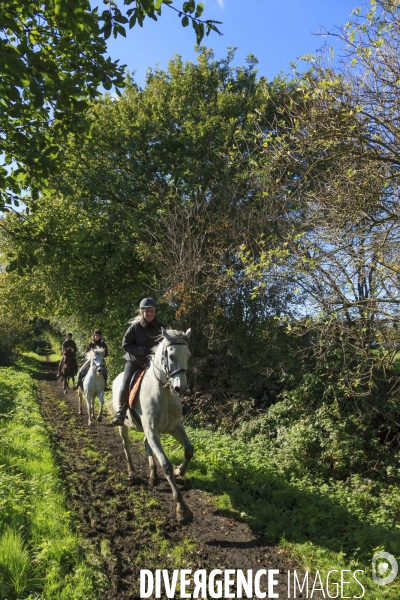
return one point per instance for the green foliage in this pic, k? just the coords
(330, 187)
(151, 8)
(156, 161)
(52, 64)
(12, 333)
(44, 96)
(39, 553)
(272, 474)
(256, 216)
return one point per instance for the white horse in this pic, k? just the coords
(93, 384)
(160, 411)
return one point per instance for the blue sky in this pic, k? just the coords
(275, 31)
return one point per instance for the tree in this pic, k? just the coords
(52, 62)
(331, 185)
(161, 169)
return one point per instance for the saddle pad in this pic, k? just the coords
(134, 393)
(84, 372)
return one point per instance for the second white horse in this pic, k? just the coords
(93, 384)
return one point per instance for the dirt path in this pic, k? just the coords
(133, 527)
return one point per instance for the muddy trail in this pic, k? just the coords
(134, 527)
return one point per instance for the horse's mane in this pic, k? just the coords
(97, 350)
(175, 335)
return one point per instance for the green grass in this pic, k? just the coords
(43, 357)
(322, 523)
(40, 554)
(322, 526)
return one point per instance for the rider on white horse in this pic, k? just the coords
(96, 341)
(139, 340)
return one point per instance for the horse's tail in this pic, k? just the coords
(113, 404)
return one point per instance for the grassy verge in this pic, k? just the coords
(323, 526)
(40, 555)
(46, 356)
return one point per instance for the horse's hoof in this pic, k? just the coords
(177, 471)
(183, 514)
(134, 479)
(65, 391)
(80, 413)
(154, 481)
(99, 418)
(90, 423)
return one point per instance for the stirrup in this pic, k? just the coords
(118, 420)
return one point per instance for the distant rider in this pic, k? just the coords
(140, 338)
(67, 343)
(96, 341)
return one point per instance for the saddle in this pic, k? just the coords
(134, 388)
(84, 372)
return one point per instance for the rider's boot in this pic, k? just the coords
(119, 417)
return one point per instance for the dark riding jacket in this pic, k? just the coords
(100, 344)
(140, 339)
(69, 344)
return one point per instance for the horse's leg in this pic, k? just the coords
(154, 478)
(90, 405)
(100, 396)
(124, 433)
(183, 513)
(80, 394)
(180, 435)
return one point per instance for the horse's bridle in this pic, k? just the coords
(165, 362)
(98, 368)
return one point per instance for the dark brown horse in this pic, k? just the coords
(69, 368)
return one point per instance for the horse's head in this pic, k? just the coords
(96, 357)
(68, 354)
(175, 358)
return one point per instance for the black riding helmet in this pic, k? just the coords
(147, 303)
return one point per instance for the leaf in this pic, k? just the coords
(185, 21)
(119, 29)
(107, 29)
(199, 29)
(199, 10)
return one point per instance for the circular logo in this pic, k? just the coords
(384, 571)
